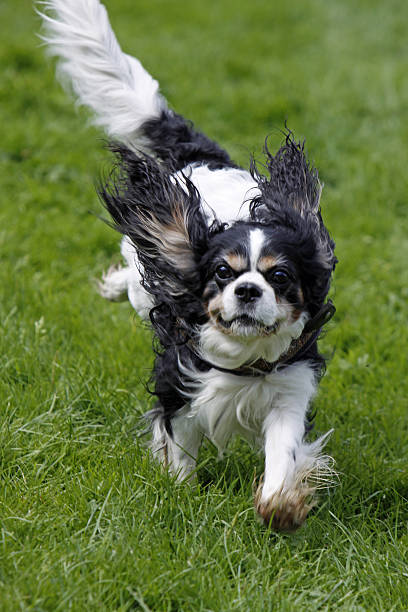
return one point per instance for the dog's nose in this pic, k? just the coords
(248, 292)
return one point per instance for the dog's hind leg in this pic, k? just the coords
(114, 284)
(178, 448)
(125, 282)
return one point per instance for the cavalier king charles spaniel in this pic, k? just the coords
(231, 266)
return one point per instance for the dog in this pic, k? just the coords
(231, 266)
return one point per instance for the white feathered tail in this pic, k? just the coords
(114, 85)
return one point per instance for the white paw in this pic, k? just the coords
(285, 510)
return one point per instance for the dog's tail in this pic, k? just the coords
(124, 97)
(114, 85)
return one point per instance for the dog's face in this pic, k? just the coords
(252, 285)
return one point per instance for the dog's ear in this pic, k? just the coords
(163, 219)
(289, 199)
(290, 196)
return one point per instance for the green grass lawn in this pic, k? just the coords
(88, 521)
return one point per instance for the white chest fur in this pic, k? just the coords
(224, 404)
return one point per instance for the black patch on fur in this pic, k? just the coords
(293, 183)
(176, 142)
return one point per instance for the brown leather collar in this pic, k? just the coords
(298, 346)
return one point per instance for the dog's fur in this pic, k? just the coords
(233, 268)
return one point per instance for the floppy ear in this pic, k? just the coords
(290, 196)
(290, 199)
(163, 219)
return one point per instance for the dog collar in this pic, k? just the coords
(297, 348)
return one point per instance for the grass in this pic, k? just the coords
(87, 520)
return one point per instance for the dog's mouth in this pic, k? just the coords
(246, 325)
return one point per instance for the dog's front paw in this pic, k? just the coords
(285, 510)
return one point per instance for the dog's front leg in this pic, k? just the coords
(283, 496)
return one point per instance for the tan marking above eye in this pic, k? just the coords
(267, 262)
(237, 262)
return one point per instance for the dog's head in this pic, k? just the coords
(256, 279)
(253, 281)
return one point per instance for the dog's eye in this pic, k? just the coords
(223, 272)
(279, 277)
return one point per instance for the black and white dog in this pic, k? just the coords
(232, 267)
